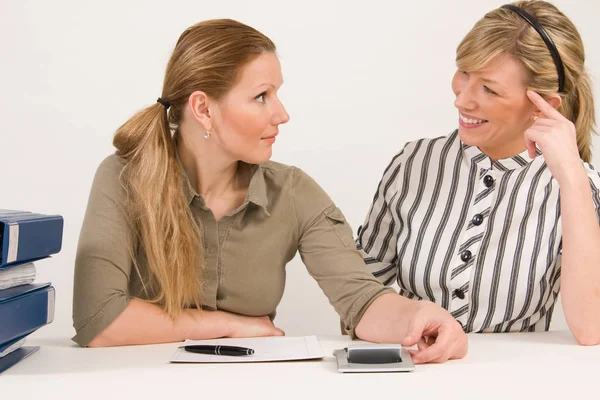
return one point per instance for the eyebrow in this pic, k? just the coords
(486, 80)
(493, 82)
(266, 84)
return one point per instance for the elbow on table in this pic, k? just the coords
(102, 340)
(586, 336)
(98, 342)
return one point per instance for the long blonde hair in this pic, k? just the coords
(503, 31)
(208, 57)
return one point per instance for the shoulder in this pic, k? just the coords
(293, 181)
(107, 180)
(110, 168)
(419, 147)
(278, 177)
(284, 175)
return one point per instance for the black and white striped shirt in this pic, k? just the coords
(481, 238)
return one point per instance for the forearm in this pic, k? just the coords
(145, 323)
(580, 260)
(382, 322)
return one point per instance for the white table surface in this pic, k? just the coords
(547, 365)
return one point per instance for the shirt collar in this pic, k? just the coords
(257, 189)
(473, 154)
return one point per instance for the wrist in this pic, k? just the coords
(572, 177)
(229, 322)
(387, 314)
(188, 323)
(203, 324)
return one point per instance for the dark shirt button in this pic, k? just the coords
(477, 219)
(488, 180)
(459, 293)
(465, 255)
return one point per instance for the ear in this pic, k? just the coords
(199, 104)
(554, 100)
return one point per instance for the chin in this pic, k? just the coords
(469, 138)
(258, 158)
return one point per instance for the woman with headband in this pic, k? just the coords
(189, 226)
(493, 220)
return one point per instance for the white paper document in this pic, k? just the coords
(274, 348)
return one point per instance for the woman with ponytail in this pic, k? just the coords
(493, 220)
(189, 226)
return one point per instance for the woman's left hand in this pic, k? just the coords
(556, 138)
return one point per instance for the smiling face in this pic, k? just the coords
(246, 121)
(493, 107)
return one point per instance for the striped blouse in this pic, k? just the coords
(480, 238)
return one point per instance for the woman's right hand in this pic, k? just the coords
(244, 326)
(395, 319)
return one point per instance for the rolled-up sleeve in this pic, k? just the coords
(103, 262)
(327, 249)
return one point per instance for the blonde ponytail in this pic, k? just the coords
(208, 57)
(578, 107)
(160, 217)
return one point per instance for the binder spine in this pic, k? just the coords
(3, 243)
(16, 356)
(13, 243)
(51, 308)
(24, 314)
(29, 237)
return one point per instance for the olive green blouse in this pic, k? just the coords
(246, 252)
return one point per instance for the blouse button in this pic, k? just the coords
(488, 180)
(465, 255)
(459, 293)
(477, 219)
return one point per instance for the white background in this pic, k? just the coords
(361, 79)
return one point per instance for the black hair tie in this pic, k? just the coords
(549, 43)
(164, 103)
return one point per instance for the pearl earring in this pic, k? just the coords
(207, 134)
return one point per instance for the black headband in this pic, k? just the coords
(549, 43)
(164, 103)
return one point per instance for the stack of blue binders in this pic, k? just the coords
(25, 306)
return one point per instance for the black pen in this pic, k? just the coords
(219, 350)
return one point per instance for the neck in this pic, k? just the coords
(506, 150)
(211, 173)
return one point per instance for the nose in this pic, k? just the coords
(280, 115)
(465, 98)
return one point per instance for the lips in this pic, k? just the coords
(270, 137)
(471, 120)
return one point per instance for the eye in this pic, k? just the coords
(261, 97)
(490, 91)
